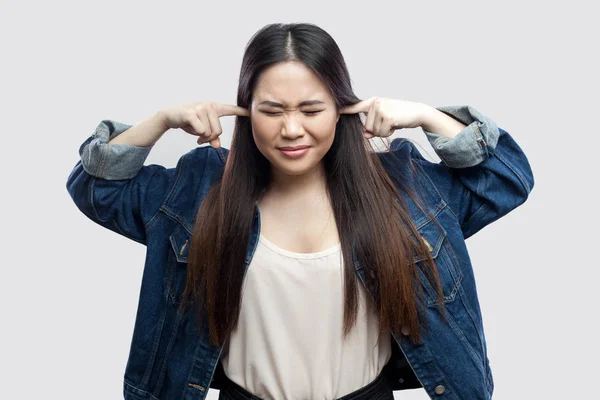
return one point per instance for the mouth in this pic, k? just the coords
(295, 152)
(291, 148)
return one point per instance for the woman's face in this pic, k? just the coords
(292, 107)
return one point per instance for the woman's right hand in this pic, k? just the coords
(201, 119)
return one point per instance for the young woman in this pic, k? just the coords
(299, 263)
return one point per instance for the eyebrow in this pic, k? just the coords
(304, 103)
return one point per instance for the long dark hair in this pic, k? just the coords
(367, 207)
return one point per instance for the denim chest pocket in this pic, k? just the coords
(447, 266)
(175, 277)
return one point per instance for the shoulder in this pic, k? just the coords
(200, 161)
(197, 171)
(206, 154)
(400, 157)
(405, 148)
(408, 168)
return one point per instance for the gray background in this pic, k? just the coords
(69, 288)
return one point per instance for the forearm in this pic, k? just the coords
(473, 143)
(144, 134)
(437, 122)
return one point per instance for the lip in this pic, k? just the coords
(302, 150)
(293, 147)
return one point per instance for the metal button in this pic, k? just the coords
(439, 389)
(199, 387)
(401, 380)
(427, 244)
(183, 247)
(405, 331)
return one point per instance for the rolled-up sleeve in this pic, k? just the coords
(111, 185)
(483, 174)
(111, 161)
(474, 144)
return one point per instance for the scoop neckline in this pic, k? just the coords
(293, 254)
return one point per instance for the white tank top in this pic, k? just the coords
(288, 344)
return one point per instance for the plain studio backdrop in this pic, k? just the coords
(70, 287)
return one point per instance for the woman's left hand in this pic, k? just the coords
(385, 115)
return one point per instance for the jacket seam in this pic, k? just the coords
(175, 217)
(164, 208)
(475, 213)
(479, 363)
(221, 155)
(140, 390)
(111, 221)
(471, 313)
(154, 218)
(155, 347)
(424, 174)
(515, 171)
(469, 223)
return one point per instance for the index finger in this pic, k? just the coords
(229, 109)
(361, 106)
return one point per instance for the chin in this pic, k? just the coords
(292, 169)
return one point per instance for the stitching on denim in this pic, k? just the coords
(176, 218)
(164, 208)
(446, 299)
(148, 225)
(155, 346)
(480, 333)
(467, 224)
(435, 187)
(462, 337)
(428, 218)
(142, 241)
(419, 371)
(180, 168)
(170, 344)
(108, 220)
(515, 171)
(91, 197)
(457, 284)
(145, 393)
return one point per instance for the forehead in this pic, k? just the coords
(290, 83)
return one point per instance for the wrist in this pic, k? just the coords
(426, 116)
(161, 120)
(440, 123)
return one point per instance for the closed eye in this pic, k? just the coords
(305, 112)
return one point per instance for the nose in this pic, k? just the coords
(292, 125)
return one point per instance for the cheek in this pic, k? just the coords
(325, 129)
(258, 130)
(263, 135)
(262, 125)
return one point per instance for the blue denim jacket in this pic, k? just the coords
(483, 175)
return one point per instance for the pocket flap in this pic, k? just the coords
(433, 237)
(180, 242)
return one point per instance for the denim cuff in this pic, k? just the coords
(111, 161)
(470, 146)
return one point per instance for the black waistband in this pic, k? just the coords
(378, 389)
